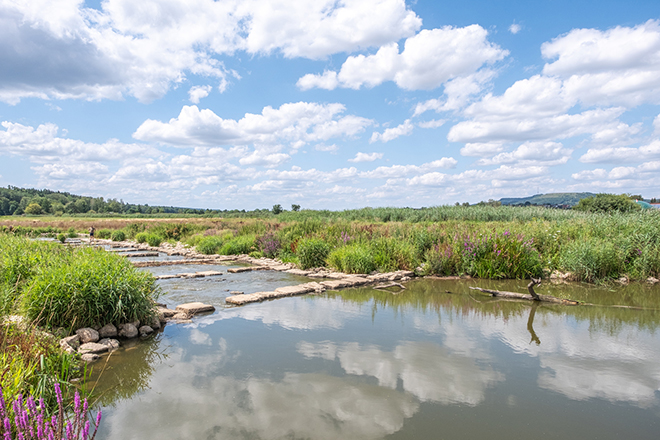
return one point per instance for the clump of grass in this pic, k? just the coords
(269, 245)
(88, 287)
(354, 258)
(118, 236)
(72, 233)
(104, 234)
(141, 237)
(591, 260)
(209, 245)
(154, 240)
(243, 244)
(312, 252)
(391, 254)
(61, 238)
(504, 255)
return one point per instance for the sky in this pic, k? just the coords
(329, 104)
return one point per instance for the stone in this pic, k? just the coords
(112, 344)
(236, 292)
(652, 280)
(92, 347)
(127, 330)
(154, 322)
(293, 290)
(145, 330)
(87, 335)
(194, 308)
(89, 357)
(209, 273)
(239, 269)
(73, 341)
(108, 331)
(66, 347)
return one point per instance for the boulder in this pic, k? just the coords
(73, 341)
(194, 308)
(66, 347)
(89, 357)
(127, 330)
(154, 322)
(145, 330)
(112, 344)
(87, 335)
(92, 347)
(108, 331)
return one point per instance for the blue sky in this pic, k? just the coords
(329, 104)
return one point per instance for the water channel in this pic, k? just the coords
(434, 361)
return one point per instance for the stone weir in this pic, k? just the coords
(335, 280)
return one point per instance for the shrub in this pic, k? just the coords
(104, 233)
(312, 252)
(269, 245)
(71, 233)
(392, 254)
(243, 244)
(209, 245)
(141, 237)
(118, 236)
(87, 287)
(443, 260)
(354, 258)
(154, 240)
(591, 260)
(607, 203)
(501, 256)
(61, 237)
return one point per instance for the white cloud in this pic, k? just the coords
(532, 153)
(434, 123)
(366, 157)
(295, 123)
(399, 171)
(196, 93)
(329, 148)
(622, 154)
(428, 60)
(515, 28)
(142, 51)
(619, 66)
(392, 133)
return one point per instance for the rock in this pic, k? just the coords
(112, 344)
(92, 347)
(623, 280)
(87, 335)
(239, 269)
(146, 330)
(108, 331)
(73, 341)
(66, 347)
(294, 290)
(652, 280)
(194, 308)
(236, 292)
(154, 323)
(181, 316)
(90, 357)
(127, 330)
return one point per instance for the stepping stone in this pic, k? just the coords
(195, 307)
(239, 269)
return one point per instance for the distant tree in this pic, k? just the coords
(607, 203)
(277, 209)
(295, 208)
(33, 209)
(466, 204)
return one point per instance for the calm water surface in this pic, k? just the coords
(368, 364)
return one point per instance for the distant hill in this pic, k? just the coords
(570, 199)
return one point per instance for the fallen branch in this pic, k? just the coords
(532, 296)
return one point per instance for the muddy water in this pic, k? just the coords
(420, 364)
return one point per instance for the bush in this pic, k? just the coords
(118, 236)
(61, 237)
(501, 256)
(591, 260)
(104, 234)
(209, 245)
(243, 244)
(71, 233)
(392, 254)
(312, 252)
(141, 237)
(607, 203)
(269, 245)
(154, 240)
(353, 258)
(87, 287)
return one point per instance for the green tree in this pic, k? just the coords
(295, 208)
(607, 203)
(33, 209)
(277, 209)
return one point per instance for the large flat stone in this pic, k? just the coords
(209, 273)
(92, 347)
(294, 290)
(194, 308)
(239, 269)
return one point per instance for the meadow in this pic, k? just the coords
(493, 242)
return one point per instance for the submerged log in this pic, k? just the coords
(532, 296)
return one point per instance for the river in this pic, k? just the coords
(436, 360)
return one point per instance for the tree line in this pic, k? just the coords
(19, 201)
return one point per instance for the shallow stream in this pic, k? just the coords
(368, 364)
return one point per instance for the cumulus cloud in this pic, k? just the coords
(295, 123)
(428, 60)
(398, 171)
(366, 157)
(196, 93)
(531, 153)
(622, 154)
(62, 49)
(392, 133)
(515, 28)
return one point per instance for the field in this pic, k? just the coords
(480, 241)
